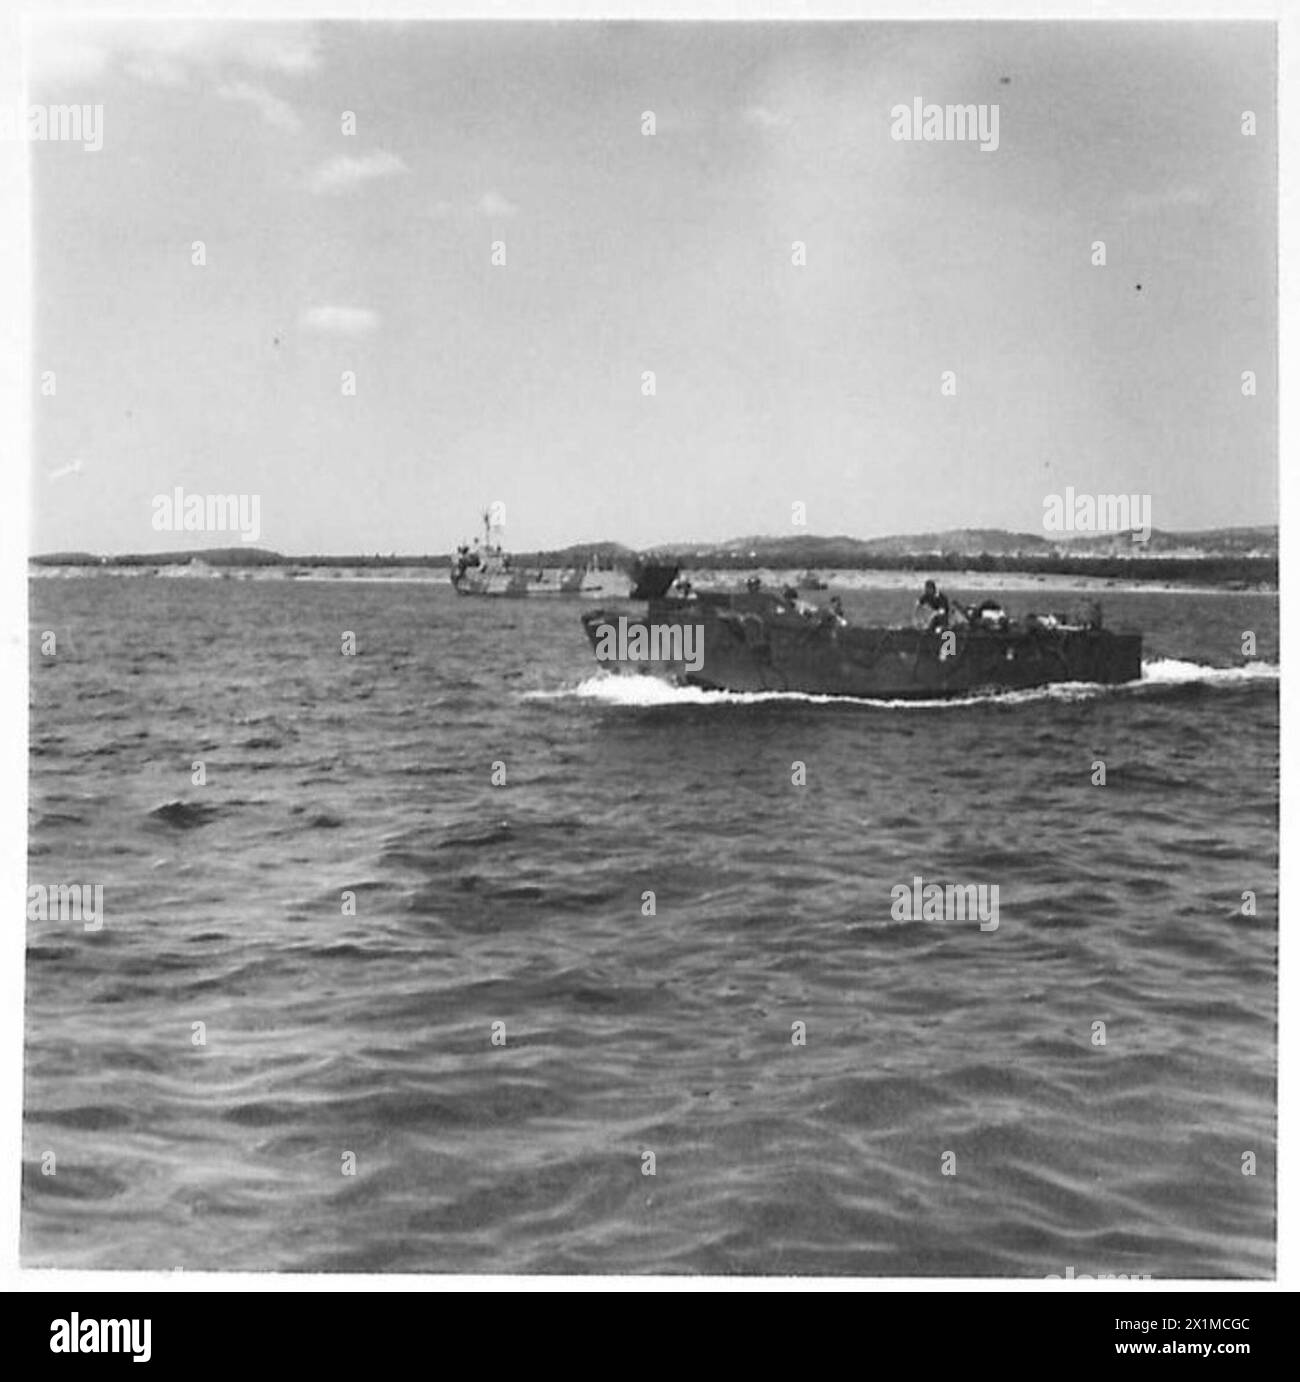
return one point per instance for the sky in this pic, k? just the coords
(776, 383)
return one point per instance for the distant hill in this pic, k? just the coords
(809, 550)
(228, 556)
(1232, 556)
(606, 553)
(68, 559)
(211, 556)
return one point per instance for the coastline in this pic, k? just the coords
(710, 578)
(987, 580)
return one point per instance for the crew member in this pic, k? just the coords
(932, 608)
(791, 596)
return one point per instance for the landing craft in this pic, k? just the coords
(486, 568)
(762, 640)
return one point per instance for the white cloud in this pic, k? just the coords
(491, 203)
(156, 69)
(343, 173)
(274, 111)
(340, 321)
(165, 52)
(494, 204)
(288, 48)
(765, 119)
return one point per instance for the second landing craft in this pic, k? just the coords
(486, 568)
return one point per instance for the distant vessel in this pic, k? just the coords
(486, 568)
(810, 580)
(759, 640)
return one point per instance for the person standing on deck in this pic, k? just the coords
(932, 608)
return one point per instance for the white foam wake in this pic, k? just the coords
(1170, 671)
(638, 691)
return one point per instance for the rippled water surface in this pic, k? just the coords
(371, 1034)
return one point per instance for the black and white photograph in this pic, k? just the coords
(652, 648)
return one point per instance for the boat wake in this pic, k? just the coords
(1160, 674)
(1170, 671)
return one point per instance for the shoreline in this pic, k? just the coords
(708, 578)
(992, 580)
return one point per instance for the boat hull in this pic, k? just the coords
(759, 643)
(518, 584)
